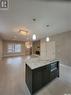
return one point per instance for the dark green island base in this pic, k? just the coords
(39, 77)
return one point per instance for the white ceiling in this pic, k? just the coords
(21, 13)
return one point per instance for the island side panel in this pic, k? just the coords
(28, 78)
(37, 79)
(40, 77)
(45, 75)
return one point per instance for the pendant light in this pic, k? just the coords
(34, 37)
(47, 39)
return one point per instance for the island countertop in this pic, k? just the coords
(34, 63)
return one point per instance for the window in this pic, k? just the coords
(14, 48)
(10, 48)
(17, 48)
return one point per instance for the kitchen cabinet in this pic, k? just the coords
(39, 77)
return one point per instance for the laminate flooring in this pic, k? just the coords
(12, 79)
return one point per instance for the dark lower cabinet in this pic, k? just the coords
(45, 75)
(54, 74)
(37, 80)
(41, 76)
(28, 77)
(54, 70)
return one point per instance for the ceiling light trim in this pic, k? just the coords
(23, 32)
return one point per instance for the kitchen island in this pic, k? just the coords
(39, 73)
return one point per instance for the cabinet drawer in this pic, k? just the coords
(54, 74)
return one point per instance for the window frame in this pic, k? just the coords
(14, 48)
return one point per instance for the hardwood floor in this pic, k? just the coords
(12, 76)
(12, 79)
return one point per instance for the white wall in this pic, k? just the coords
(62, 47)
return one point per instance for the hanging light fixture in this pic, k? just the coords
(23, 32)
(34, 37)
(47, 39)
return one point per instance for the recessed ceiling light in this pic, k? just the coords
(47, 39)
(34, 37)
(47, 25)
(34, 19)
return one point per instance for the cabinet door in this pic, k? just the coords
(45, 75)
(28, 78)
(54, 74)
(37, 80)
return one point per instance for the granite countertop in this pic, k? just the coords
(34, 63)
